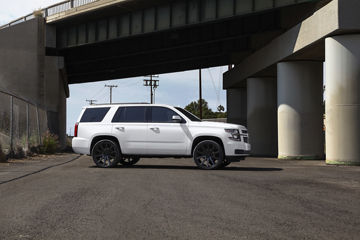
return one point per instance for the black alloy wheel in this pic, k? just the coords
(129, 160)
(106, 154)
(208, 155)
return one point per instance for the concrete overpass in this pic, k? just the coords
(90, 40)
(278, 89)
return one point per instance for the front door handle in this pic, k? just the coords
(155, 129)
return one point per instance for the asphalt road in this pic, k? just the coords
(171, 199)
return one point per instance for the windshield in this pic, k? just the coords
(189, 115)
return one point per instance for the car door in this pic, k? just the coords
(166, 137)
(130, 127)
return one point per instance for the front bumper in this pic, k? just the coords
(236, 150)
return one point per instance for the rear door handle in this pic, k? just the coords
(155, 128)
(120, 128)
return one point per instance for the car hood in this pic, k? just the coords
(217, 125)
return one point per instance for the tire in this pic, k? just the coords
(225, 163)
(208, 155)
(128, 161)
(106, 154)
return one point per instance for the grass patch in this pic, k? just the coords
(50, 143)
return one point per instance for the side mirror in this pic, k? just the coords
(176, 118)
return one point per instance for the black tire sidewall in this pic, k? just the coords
(118, 154)
(122, 162)
(221, 151)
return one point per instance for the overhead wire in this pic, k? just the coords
(215, 89)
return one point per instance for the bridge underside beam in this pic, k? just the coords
(169, 51)
(180, 49)
(122, 19)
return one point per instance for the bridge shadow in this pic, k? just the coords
(177, 167)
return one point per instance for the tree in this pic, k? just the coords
(193, 107)
(220, 113)
(220, 108)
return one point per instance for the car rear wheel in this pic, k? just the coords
(106, 154)
(128, 161)
(208, 155)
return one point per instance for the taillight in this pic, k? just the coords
(76, 129)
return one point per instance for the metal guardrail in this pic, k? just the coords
(51, 10)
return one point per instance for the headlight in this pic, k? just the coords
(235, 134)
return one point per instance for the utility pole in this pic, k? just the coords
(111, 87)
(91, 101)
(200, 95)
(153, 84)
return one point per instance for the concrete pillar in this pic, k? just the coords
(262, 116)
(236, 106)
(300, 110)
(55, 98)
(343, 100)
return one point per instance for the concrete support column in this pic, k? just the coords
(343, 100)
(300, 110)
(236, 105)
(262, 116)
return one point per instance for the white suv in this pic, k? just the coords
(122, 133)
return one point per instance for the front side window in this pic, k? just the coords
(130, 114)
(189, 115)
(94, 114)
(162, 115)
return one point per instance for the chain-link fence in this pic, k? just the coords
(21, 123)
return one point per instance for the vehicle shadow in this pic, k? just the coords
(174, 167)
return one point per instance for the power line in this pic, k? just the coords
(111, 87)
(98, 93)
(215, 89)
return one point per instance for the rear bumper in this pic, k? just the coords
(81, 145)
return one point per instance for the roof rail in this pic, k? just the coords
(101, 104)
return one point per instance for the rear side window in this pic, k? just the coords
(94, 114)
(130, 114)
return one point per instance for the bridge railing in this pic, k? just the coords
(21, 123)
(51, 10)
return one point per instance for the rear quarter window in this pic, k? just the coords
(94, 114)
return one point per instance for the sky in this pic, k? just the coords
(177, 89)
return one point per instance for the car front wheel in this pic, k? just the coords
(225, 163)
(106, 154)
(208, 155)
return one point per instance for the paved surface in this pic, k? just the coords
(170, 199)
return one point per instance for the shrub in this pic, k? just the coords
(50, 143)
(19, 152)
(2, 155)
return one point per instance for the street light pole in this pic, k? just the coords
(200, 95)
